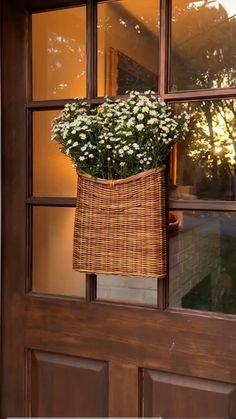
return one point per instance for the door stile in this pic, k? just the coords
(14, 208)
(123, 390)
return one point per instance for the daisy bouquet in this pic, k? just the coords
(119, 139)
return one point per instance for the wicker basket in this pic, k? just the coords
(120, 226)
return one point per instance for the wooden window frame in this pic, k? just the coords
(38, 6)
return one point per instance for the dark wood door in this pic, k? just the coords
(68, 354)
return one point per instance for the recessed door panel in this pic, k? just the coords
(178, 396)
(67, 386)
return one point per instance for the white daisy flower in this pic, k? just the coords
(140, 116)
(166, 129)
(75, 144)
(152, 121)
(140, 127)
(153, 113)
(130, 123)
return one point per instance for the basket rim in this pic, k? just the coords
(121, 273)
(131, 178)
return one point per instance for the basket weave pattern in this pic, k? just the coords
(120, 226)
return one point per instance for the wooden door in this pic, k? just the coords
(75, 346)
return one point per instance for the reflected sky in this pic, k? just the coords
(229, 5)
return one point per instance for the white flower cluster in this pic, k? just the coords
(119, 138)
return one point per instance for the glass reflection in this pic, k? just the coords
(53, 174)
(59, 54)
(52, 253)
(128, 46)
(204, 166)
(203, 51)
(202, 261)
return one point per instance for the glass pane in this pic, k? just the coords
(203, 53)
(53, 174)
(202, 261)
(59, 54)
(52, 253)
(204, 165)
(127, 289)
(128, 46)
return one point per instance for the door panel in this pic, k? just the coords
(67, 386)
(171, 395)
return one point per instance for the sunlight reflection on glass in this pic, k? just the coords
(204, 166)
(59, 53)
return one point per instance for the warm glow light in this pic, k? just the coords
(222, 146)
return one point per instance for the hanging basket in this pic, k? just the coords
(120, 226)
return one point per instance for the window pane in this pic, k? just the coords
(128, 46)
(52, 253)
(203, 51)
(53, 174)
(202, 261)
(204, 165)
(127, 290)
(59, 53)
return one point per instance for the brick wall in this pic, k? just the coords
(194, 254)
(127, 289)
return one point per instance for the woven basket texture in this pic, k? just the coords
(120, 226)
